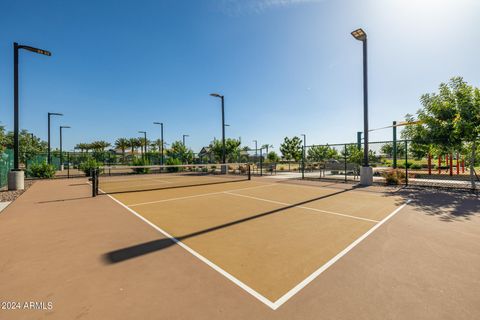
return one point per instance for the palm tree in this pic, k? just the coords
(122, 143)
(134, 143)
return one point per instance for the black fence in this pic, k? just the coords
(393, 162)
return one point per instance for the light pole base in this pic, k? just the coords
(16, 180)
(366, 176)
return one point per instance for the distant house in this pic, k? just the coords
(206, 155)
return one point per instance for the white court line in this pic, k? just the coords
(279, 302)
(333, 189)
(320, 270)
(197, 195)
(301, 207)
(202, 258)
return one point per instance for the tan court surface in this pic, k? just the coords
(94, 259)
(270, 236)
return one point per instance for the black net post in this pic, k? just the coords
(249, 172)
(93, 176)
(345, 160)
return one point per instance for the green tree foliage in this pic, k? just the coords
(134, 144)
(321, 153)
(449, 120)
(291, 149)
(122, 144)
(387, 149)
(353, 154)
(232, 149)
(179, 151)
(28, 145)
(272, 156)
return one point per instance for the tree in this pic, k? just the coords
(449, 120)
(272, 156)
(122, 144)
(321, 153)
(179, 151)
(134, 143)
(387, 149)
(355, 155)
(28, 146)
(232, 149)
(291, 149)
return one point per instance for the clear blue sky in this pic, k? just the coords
(286, 67)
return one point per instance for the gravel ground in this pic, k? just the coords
(6, 195)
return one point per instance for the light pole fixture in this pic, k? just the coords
(16, 179)
(161, 137)
(61, 146)
(183, 138)
(367, 176)
(49, 158)
(216, 95)
(144, 143)
(360, 35)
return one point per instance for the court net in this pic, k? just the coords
(123, 179)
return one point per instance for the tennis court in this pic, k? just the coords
(270, 238)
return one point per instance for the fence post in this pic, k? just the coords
(406, 162)
(261, 163)
(394, 151)
(303, 162)
(345, 153)
(68, 165)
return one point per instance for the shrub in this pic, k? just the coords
(401, 165)
(141, 162)
(173, 162)
(394, 177)
(416, 166)
(41, 170)
(88, 165)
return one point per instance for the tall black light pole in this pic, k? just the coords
(303, 154)
(49, 158)
(61, 146)
(183, 139)
(144, 143)
(360, 35)
(223, 124)
(161, 137)
(366, 175)
(16, 48)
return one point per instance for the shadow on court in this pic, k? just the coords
(447, 205)
(160, 244)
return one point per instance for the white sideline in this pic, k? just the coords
(202, 258)
(279, 302)
(197, 195)
(327, 265)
